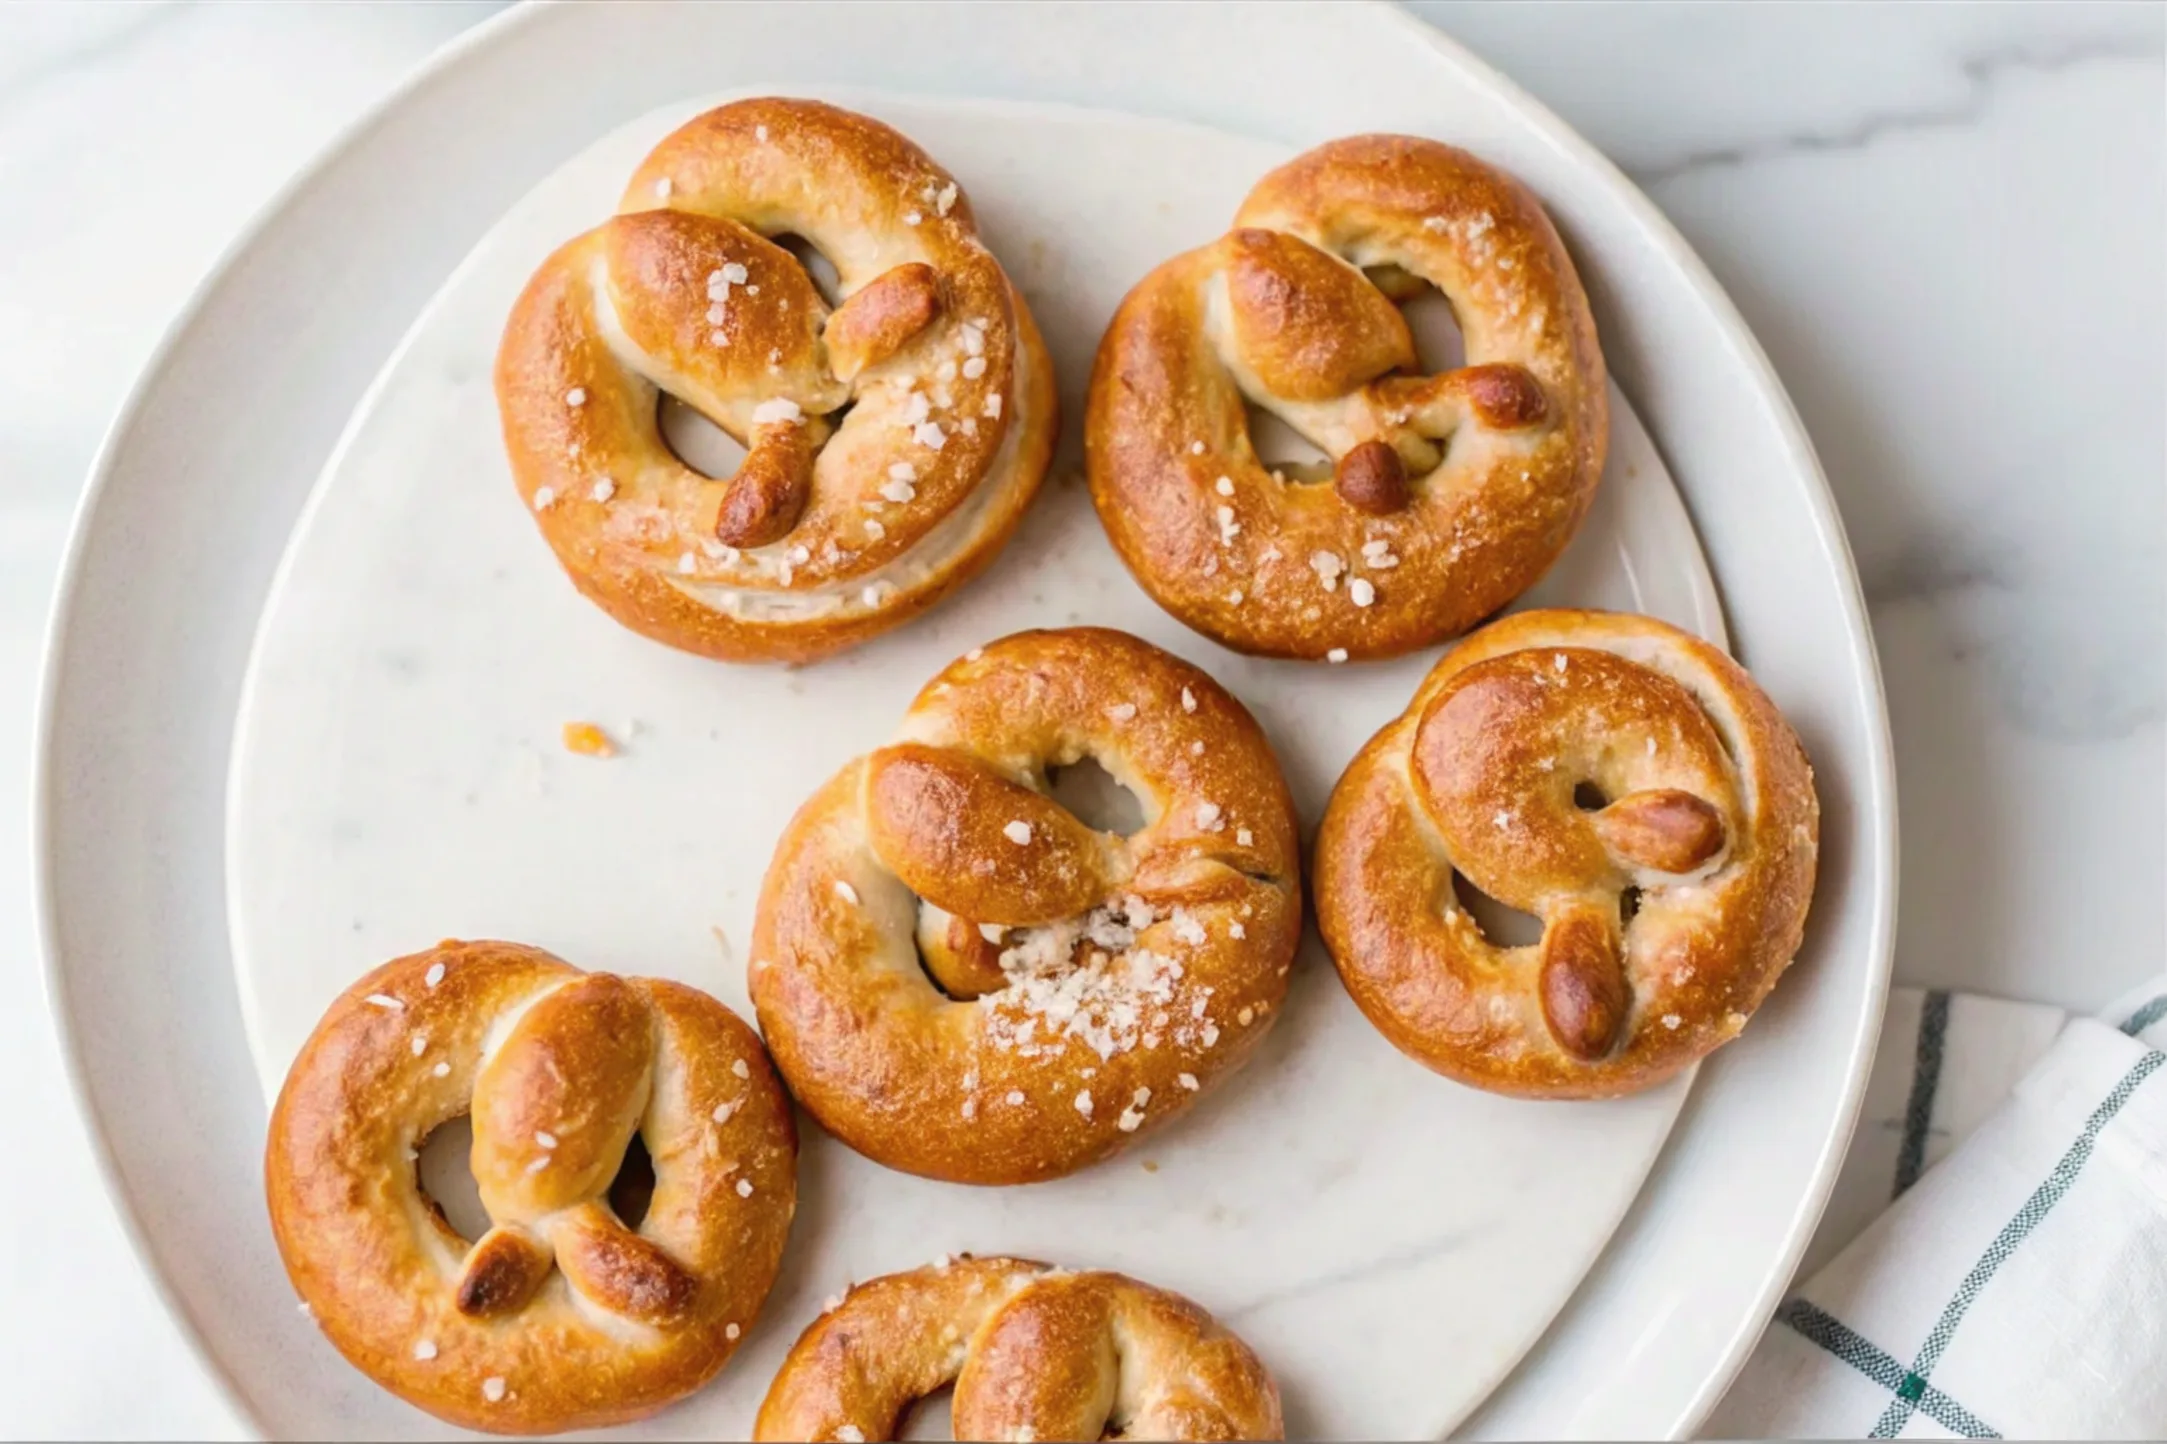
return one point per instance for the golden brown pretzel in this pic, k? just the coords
(560, 1317)
(1034, 1353)
(1450, 494)
(1091, 985)
(1620, 779)
(835, 527)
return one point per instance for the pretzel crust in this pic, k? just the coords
(1033, 1352)
(1451, 495)
(1122, 978)
(569, 1065)
(1707, 810)
(812, 546)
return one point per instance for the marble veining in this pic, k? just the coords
(1944, 223)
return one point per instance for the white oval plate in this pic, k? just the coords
(204, 474)
(396, 779)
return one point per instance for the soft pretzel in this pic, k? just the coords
(1626, 783)
(1034, 1353)
(1077, 988)
(835, 527)
(1449, 495)
(561, 1316)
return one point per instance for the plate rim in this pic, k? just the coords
(1876, 821)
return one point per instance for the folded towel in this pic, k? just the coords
(2017, 1286)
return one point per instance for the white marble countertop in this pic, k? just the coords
(1946, 224)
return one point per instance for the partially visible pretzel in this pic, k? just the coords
(835, 527)
(960, 979)
(1034, 1353)
(1623, 781)
(1449, 495)
(560, 1316)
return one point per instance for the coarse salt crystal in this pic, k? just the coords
(929, 434)
(1235, 597)
(1336, 655)
(1671, 1021)
(1188, 700)
(543, 496)
(386, 1001)
(846, 892)
(1211, 1034)
(775, 408)
(1559, 662)
(1122, 711)
(974, 367)
(744, 1188)
(874, 531)
(993, 407)
(898, 492)
(912, 218)
(543, 1138)
(970, 1108)
(724, 1110)
(604, 488)
(734, 272)
(493, 1388)
(577, 396)
(1015, 1095)
(851, 1433)
(1083, 1103)
(1243, 836)
(992, 932)
(731, 1331)
(420, 1045)
(425, 1349)
(1207, 816)
(759, 133)
(741, 1068)
(1502, 821)
(1246, 1016)
(538, 1164)
(1018, 832)
(974, 654)
(946, 200)
(688, 564)
(1361, 592)
(1187, 1080)
(1196, 748)
(1236, 931)
(442, 1070)
(434, 976)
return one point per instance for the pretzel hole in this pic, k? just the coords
(1282, 450)
(931, 1417)
(826, 280)
(1628, 905)
(444, 1173)
(1431, 321)
(1501, 926)
(633, 1189)
(698, 442)
(1589, 798)
(1095, 797)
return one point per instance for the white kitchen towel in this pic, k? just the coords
(2017, 1287)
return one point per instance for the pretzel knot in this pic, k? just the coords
(562, 1315)
(1076, 987)
(1449, 494)
(893, 441)
(1034, 1353)
(1624, 782)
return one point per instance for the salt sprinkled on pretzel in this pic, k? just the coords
(561, 1316)
(1624, 782)
(1448, 495)
(1033, 1352)
(893, 441)
(961, 979)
